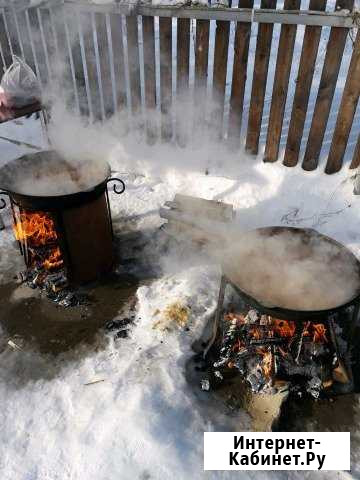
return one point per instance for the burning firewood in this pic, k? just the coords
(266, 350)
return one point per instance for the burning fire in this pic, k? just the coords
(269, 339)
(36, 229)
(37, 233)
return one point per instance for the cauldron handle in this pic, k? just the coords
(2, 200)
(118, 192)
(114, 179)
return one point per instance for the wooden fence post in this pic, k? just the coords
(349, 101)
(303, 87)
(330, 72)
(281, 83)
(261, 66)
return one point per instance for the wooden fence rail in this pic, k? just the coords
(105, 57)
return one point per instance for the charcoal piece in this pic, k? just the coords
(118, 324)
(122, 334)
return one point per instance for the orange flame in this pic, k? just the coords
(54, 259)
(283, 328)
(38, 230)
(35, 228)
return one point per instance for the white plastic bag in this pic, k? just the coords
(19, 85)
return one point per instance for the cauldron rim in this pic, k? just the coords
(20, 162)
(54, 201)
(288, 313)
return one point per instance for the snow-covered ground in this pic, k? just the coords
(144, 421)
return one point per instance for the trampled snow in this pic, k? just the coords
(144, 421)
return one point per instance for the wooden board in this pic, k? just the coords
(165, 26)
(219, 78)
(118, 59)
(134, 64)
(281, 83)
(344, 121)
(303, 87)
(212, 209)
(201, 70)
(182, 78)
(332, 62)
(104, 60)
(241, 54)
(262, 57)
(149, 78)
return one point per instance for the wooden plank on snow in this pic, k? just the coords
(303, 87)
(281, 83)
(329, 75)
(261, 66)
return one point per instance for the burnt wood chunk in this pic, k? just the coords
(219, 78)
(241, 54)
(149, 78)
(349, 101)
(303, 86)
(182, 88)
(134, 63)
(261, 66)
(165, 26)
(281, 83)
(330, 72)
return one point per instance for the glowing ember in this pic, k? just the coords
(54, 259)
(266, 350)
